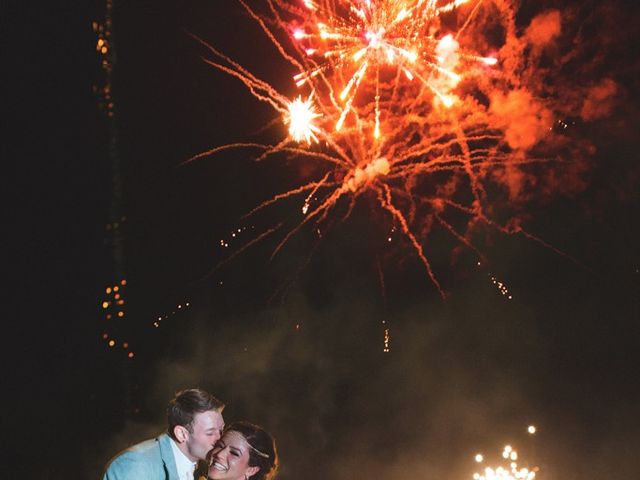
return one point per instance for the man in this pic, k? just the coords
(195, 425)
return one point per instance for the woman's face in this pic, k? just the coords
(229, 459)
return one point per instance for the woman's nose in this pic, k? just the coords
(221, 455)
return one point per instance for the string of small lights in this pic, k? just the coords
(157, 323)
(113, 303)
(502, 288)
(113, 306)
(386, 346)
(386, 330)
(234, 235)
(500, 285)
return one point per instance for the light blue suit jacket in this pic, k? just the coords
(150, 460)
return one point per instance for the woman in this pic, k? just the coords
(244, 452)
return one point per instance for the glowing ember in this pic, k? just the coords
(300, 120)
(363, 176)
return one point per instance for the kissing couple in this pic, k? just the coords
(197, 445)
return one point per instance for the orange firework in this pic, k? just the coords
(400, 101)
(352, 40)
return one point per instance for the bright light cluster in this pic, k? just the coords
(508, 471)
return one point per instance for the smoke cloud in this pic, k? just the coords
(544, 28)
(523, 117)
(339, 406)
(600, 100)
(461, 378)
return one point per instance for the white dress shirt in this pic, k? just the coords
(184, 466)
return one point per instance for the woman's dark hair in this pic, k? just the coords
(186, 404)
(262, 451)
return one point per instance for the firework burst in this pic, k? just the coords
(402, 102)
(351, 43)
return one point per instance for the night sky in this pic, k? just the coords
(295, 343)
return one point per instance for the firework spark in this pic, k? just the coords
(300, 119)
(402, 109)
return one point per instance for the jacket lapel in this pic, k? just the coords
(167, 457)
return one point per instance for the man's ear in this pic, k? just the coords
(251, 471)
(181, 433)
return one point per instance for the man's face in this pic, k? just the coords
(206, 431)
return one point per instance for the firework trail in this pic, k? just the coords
(412, 105)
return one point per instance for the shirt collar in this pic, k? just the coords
(184, 466)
